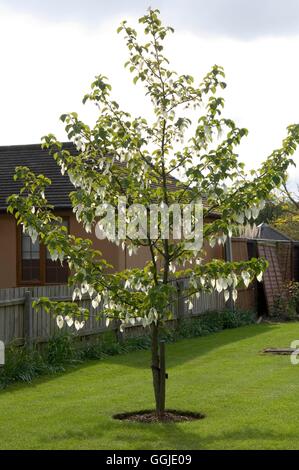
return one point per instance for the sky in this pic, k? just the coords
(51, 50)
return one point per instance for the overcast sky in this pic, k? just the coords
(51, 50)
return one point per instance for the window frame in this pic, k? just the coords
(42, 258)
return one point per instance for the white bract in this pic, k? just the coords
(248, 214)
(234, 295)
(60, 321)
(246, 278)
(212, 242)
(260, 276)
(79, 325)
(226, 295)
(77, 294)
(255, 212)
(69, 321)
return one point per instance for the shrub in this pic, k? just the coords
(286, 305)
(212, 322)
(23, 364)
(60, 349)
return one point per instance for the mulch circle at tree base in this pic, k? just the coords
(150, 416)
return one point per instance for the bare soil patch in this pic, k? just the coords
(279, 351)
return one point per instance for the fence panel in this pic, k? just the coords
(20, 323)
(204, 303)
(12, 314)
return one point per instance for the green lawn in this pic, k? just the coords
(251, 401)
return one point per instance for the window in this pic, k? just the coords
(35, 264)
(55, 272)
(30, 259)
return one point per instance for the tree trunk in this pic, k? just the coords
(162, 378)
(158, 371)
(156, 365)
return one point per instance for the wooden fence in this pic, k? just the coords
(20, 323)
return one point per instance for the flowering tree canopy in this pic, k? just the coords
(185, 153)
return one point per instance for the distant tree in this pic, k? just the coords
(282, 212)
(122, 156)
(292, 197)
(288, 223)
(286, 215)
(274, 208)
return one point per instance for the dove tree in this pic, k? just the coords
(138, 161)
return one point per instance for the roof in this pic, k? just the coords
(266, 232)
(40, 162)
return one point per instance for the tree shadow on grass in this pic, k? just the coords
(189, 349)
(178, 437)
(184, 436)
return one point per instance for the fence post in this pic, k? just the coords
(28, 333)
(229, 257)
(118, 334)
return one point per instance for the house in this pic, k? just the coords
(23, 263)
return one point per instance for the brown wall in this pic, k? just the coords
(109, 251)
(119, 258)
(217, 252)
(8, 252)
(114, 255)
(135, 261)
(240, 249)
